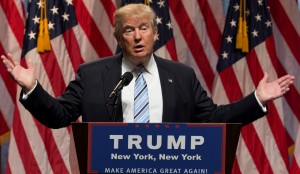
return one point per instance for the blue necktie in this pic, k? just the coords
(141, 99)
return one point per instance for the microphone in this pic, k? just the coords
(113, 97)
(124, 81)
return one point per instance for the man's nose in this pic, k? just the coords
(137, 35)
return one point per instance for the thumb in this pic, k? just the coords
(265, 78)
(29, 63)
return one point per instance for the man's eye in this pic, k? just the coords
(128, 32)
(144, 29)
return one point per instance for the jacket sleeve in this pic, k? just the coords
(55, 112)
(245, 110)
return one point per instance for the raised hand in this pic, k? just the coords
(270, 91)
(23, 77)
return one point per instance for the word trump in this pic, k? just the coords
(135, 141)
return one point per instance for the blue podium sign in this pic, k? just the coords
(156, 148)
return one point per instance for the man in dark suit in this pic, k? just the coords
(173, 92)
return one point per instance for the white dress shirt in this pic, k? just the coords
(154, 92)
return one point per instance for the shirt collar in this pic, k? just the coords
(149, 66)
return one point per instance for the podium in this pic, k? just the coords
(153, 148)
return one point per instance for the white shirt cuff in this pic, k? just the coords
(25, 96)
(264, 108)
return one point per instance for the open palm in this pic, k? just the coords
(24, 77)
(267, 91)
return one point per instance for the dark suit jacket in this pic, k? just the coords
(184, 100)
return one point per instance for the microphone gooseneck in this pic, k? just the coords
(125, 79)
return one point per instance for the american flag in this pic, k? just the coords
(266, 146)
(240, 73)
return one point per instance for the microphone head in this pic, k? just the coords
(127, 76)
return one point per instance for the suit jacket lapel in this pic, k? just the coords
(167, 80)
(111, 78)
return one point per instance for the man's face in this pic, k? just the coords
(137, 39)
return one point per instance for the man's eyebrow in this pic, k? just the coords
(129, 26)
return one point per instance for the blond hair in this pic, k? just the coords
(133, 10)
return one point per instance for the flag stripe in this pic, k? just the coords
(295, 168)
(273, 119)
(64, 61)
(90, 28)
(196, 48)
(269, 46)
(213, 30)
(47, 141)
(183, 53)
(86, 49)
(293, 95)
(73, 49)
(37, 146)
(217, 10)
(248, 131)
(171, 49)
(4, 127)
(280, 135)
(228, 75)
(15, 21)
(8, 81)
(109, 8)
(16, 158)
(56, 79)
(54, 157)
(6, 108)
(244, 166)
(104, 30)
(287, 29)
(296, 158)
(29, 161)
(285, 57)
(254, 145)
(202, 33)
